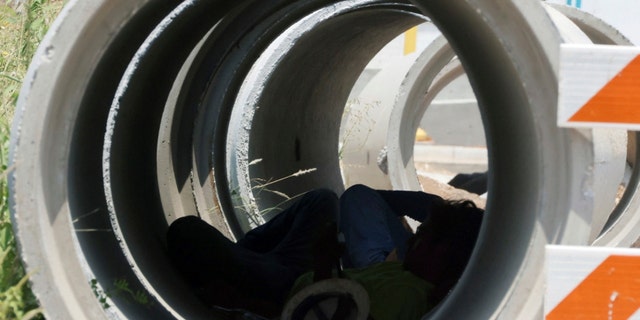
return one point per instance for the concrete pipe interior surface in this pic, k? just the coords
(136, 112)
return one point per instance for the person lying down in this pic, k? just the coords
(404, 273)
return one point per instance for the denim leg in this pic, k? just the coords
(295, 226)
(307, 218)
(222, 272)
(371, 229)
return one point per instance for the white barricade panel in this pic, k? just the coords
(599, 86)
(592, 283)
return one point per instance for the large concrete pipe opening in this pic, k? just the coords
(400, 93)
(172, 109)
(615, 173)
(289, 110)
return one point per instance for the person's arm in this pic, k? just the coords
(414, 204)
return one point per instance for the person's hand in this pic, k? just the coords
(392, 256)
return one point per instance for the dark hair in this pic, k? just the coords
(443, 243)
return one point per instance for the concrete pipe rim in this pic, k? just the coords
(500, 81)
(433, 70)
(616, 231)
(525, 242)
(252, 159)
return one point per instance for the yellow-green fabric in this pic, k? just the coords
(394, 293)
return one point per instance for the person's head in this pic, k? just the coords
(443, 243)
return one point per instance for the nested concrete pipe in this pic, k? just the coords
(506, 121)
(286, 119)
(434, 69)
(622, 225)
(226, 95)
(427, 78)
(415, 95)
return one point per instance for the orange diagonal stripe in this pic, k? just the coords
(611, 291)
(618, 101)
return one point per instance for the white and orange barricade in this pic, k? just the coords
(599, 86)
(592, 283)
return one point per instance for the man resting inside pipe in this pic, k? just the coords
(405, 274)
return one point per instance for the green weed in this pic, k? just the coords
(358, 117)
(120, 289)
(248, 205)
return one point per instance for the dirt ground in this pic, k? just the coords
(444, 190)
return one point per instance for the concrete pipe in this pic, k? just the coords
(306, 103)
(434, 70)
(622, 226)
(524, 156)
(135, 112)
(364, 130)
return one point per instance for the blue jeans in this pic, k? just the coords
(370, 227)
(260, 267)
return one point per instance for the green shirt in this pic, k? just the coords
(394, 293)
